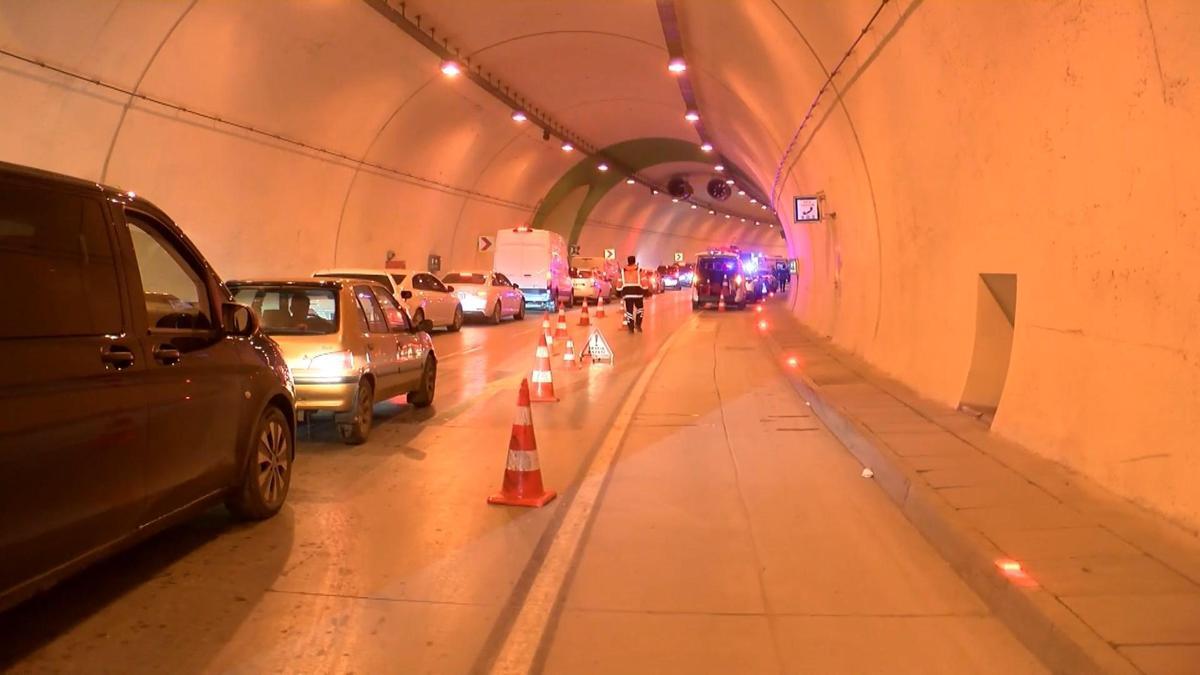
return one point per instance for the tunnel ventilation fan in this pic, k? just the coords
(718, 189)
(679, 187)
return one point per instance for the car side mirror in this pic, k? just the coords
(406, 295)
(449, 289)
(426, 326)
(238, 319)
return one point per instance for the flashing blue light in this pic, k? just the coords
(751, 265)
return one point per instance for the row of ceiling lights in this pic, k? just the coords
(675, 66)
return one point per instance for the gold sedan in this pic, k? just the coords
(348, 343)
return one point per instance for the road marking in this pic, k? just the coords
(528, 630)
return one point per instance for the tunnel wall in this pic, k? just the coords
(315, 134)
(1055, 141)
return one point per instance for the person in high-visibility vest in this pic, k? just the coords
(633, 294)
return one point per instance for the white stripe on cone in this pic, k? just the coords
(541, 377)
(542, 352)
(522, 460)
(524, 417)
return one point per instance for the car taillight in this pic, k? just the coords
(737, 279)
(333, 361)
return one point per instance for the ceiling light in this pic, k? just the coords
(727, 216)
(706, 147)
(719, 167)
(729, 181)
(653, 192)
(676, 65)
(693, 206)
(567, 147)
(711, 212)
(602, 166)
(630, 181)
(674, 200)
(519, 116)
(743, 220)
(753, 200)
(764, 207)
(451, 69)
(692, 116)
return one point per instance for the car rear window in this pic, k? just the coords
(461, 278)
(282, 310)
(717, 265)
(583, 274)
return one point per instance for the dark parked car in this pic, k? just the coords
(134, 391)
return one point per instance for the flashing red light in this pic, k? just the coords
(793, 361)
(758, 308)
(1014, 572)
(762, 324)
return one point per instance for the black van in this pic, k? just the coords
(719, 275)
(133, 391)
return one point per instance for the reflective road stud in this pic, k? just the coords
(543, 381)
(522, 472)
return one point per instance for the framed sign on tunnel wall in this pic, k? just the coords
(808, 209)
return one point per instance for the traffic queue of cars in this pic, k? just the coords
(141, 389)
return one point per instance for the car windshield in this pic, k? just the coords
(291, 310)
(465, 278)
(381, 278)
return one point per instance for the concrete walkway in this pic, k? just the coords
(1105, 586)
(736, 535)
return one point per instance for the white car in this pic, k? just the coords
(425, 296)
(590, 285)
(487, 294)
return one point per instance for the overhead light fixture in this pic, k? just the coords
(693, 206)
(706, 147)
(630, 181)
(602, 166)
(711, 212)
(764, 207)
(677, 65)
(692, 116)
(727, 216)
(451, 69)
(743, 220)
(653, 191)
(753, 200)
(674, 200)
(719, 167)
(741, 193)
(729, 181)
(519, 116)
(567, 147)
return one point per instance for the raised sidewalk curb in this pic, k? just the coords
(1037, 617)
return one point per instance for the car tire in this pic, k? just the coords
(457, 324)
(267, 472)
(496, 315)
(354, 426)
(520, 315)
(423, 396)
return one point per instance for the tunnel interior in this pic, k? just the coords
(946, 141)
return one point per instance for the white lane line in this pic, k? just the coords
(525, 636)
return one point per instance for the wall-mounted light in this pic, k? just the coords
(567, 147)
(451, 69)
(719, 167)
(602, 166)
(706, 147)
(630, 181)
(677, 65)
(519, 116)
(692, 116)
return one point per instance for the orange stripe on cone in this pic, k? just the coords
(522, 484)
(543, 380)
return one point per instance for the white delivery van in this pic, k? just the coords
(536, 261)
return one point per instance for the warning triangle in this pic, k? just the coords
(597, 349)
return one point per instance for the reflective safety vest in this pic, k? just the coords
(631, 278)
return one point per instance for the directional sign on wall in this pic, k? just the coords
(485, 243)
(610, 254)
(678, 256)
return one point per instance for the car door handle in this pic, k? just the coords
(117, 356)
(167, 355)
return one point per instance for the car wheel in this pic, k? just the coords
(520, 315)
(456, 325)
(495, 315)
(423, 396)
(355, 426)
(268, 469)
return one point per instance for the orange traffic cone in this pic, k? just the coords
(721, 301)
(583, 318)
(569, 361)
(560, 330)
(522, 473)
(600, 308)
(543, 381)
(549, 335)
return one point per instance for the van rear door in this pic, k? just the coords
(73, 430)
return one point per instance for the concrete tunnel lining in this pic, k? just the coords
(1052, 142)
